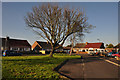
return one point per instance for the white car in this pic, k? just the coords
(91, 52)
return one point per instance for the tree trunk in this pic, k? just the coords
(73, 38)
(51, 53)
(71, 51)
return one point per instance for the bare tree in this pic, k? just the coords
(56, 24)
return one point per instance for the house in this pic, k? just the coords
(85, 47)
(39, 45)
(79, 47)
(15, 44)
(117, 47)
(94, 46)
(66, 49)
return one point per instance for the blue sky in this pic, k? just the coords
(103, 15)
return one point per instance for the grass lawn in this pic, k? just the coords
(33, 66)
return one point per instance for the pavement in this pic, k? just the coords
(90, 68)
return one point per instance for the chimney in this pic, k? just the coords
(86, 43)
(7, 43)
(7, 38)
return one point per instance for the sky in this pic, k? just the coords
(103, 15)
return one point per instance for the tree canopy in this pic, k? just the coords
(110, 46)
(55, 24)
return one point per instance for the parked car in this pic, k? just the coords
(11, 53)
(97, 53)
(110, 54)
(91, 52)
(116, 54)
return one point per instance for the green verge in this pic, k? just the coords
(33, 66)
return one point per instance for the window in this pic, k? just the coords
(15, 49)
(27, 49)
(105, 50)
(75, 50)
(90, 50)
(83, 50)
(1, 48)
(21, 49)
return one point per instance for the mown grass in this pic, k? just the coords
(33, 66)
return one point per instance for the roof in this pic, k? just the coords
(80, 45)
(94, 45)
(117, 46)
(66, 48)
(16, 42)
(44, 45)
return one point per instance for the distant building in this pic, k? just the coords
(66, 49)
(85, 47)
(15, 44)
(115, 48)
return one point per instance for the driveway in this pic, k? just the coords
(90, 67)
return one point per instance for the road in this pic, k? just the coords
(91, 67)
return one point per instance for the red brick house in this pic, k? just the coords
(39, 45)
(15, 44)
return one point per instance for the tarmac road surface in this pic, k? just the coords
(91, 67)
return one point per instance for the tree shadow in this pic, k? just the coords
(66, 73)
